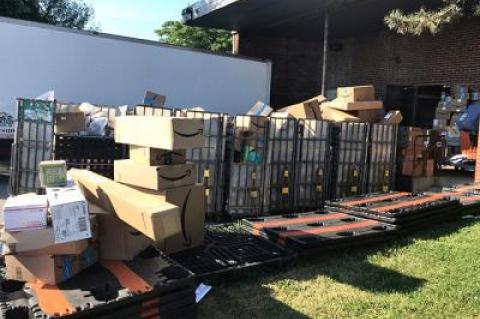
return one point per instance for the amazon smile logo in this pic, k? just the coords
(199, 132)
(187, 239)
(188, 173)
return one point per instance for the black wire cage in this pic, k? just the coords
(33, 143)
(279, 187)
(312, 165)
(246, 166)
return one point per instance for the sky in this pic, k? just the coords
(135, 18)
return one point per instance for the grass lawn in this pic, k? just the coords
(432, 274)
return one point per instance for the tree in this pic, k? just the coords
(431, 21)
(66, 13)
(177, 33)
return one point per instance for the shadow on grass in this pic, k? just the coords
(353, 268)
(350, 267)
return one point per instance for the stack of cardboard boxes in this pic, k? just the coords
(157, 167)
(353, 104)
(416, 159)
(448, 111)
(358, 104)
(48, 238)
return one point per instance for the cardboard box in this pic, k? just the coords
(280, 115)
(48, 269)
(69, 212)
(369, 116)
(341, 105)
(25, 212)
(256, 124)
(415, 168)
(356, 93)
(191, 200)
(154, 99)
(118, 241)
(144, 211)
(248, 129)
(70, 122)
(393, 117)
(260, 109)
(53, 173)
(42, 242)
(154, 177)
(329, 114)
(155, 157)
(160, 132)
(305, 110)
(319, 98)
(430, 168)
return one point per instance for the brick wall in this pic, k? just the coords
(385, 58)
(296, 66)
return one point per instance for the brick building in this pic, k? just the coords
(409, 72)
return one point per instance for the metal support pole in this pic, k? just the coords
(325, 53)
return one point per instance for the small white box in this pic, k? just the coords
(25, 212)
(69, 211)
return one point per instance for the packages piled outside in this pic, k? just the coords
(158, 170)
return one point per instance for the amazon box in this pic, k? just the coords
(42, 242)
(48, 269)
(191, 200)
(117, 240)
(155, 157)
(170, 134)
(356, 93)
(146, 212)
(248, 129)
(154, 177)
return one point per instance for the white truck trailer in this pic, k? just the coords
(82, 66)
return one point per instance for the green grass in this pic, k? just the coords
(434, 274)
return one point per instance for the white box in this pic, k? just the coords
(69, 211)
(25, 212)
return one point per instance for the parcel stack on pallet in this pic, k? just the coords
(358, 104)
(416, 161)
(449, 110)
(416, 164)
(49, 238)
(157, 169)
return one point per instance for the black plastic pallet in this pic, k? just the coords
(361, 201)
(95, 153)
(228, 249)
(151, 285)
(320, 231)
(257, 226)
(409, 206)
